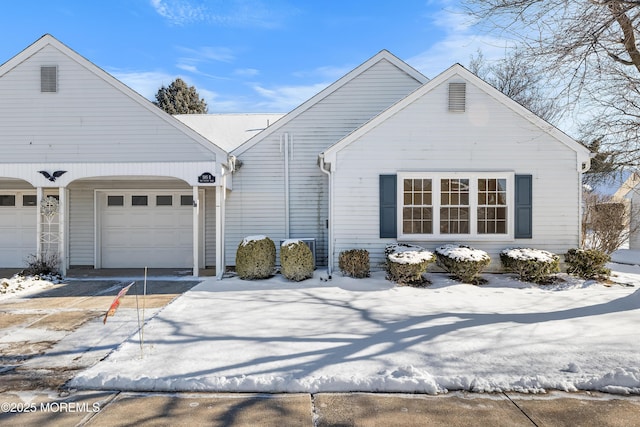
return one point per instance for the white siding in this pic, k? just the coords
(86, 120)
(424, 136)
(257, 203)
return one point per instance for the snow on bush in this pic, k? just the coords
(255, 258)
(296, 260)
(355, 263)
(463, 262)
(531, 265)
(407, 263)
(587, 263)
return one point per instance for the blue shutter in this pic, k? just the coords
(524, 207)
(388, 202)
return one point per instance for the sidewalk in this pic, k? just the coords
(94, 408)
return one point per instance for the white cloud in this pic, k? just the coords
(286, 98)
(460, 42)
(234, 13)
(246, 72)
(208, 53)
(146, 83)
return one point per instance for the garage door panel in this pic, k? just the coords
(147, 236)
(17, 233)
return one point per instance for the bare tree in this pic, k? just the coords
(606, 222)
(590, 57)
(520, 79)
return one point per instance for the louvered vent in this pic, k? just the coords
(49, 79)
(457, 97)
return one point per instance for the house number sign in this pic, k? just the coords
(207, 178)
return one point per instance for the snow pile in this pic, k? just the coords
(408, 254)
(369, 335)
(250, 239)
(19, 284)
(291, 242)
(462, 253)
(526, 254)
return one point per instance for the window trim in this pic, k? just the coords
(473, 177)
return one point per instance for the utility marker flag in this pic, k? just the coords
(116, 302)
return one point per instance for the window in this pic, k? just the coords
(492, 206)
(186, 200)
(476, 205)
(29, 200)
(7, 200)
(139, 200)
(115, 200)
(417, 211)
(164, 200)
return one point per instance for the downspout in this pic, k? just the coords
(327, 172)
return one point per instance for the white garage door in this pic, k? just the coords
(17, 228)
(146, 229)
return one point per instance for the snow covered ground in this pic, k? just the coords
(370, 335)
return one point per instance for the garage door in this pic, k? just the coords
(17, 228)
(146, 229)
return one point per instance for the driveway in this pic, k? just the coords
(41, 346)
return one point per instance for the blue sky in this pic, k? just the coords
(247, 55)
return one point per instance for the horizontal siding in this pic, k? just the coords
(210, 227)
(258, 196)
(87, 119)
(425, 137)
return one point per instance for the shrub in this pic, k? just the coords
(531, 265)
(296, 260)
(255, 258)
(354, 263)
(405, 264)
(47, 265)
(463, 262)
(587, 263)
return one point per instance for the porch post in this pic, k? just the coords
(62, 230)
(196, 232)
(220, 211)
(39, 197)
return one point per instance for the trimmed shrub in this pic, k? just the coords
(463, 262)
(255, 258)
(354, 263)
(587, 263)
(405, 264)
(531, 265)
(296, 260)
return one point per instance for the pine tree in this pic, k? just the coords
(179, 98)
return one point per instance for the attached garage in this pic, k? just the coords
(145, 229)
(17, 227)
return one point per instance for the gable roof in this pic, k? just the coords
(49, 40)
(382, 55)
(457, 69)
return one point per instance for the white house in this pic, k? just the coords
(379, 156)
(629, 192)
(135, 186)
(456, 161)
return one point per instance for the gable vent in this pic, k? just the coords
(457, 97)
(49, 79)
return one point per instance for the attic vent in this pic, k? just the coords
(457, 96)
(49, 79)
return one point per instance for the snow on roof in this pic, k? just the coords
(229, 131)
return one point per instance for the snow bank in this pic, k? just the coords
(369, 335)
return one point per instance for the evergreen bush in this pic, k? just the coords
(354, 263)
(587, 263)
(296, 260)
(405, 264)
(463, 262)
(255, 258)
(531, 265)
